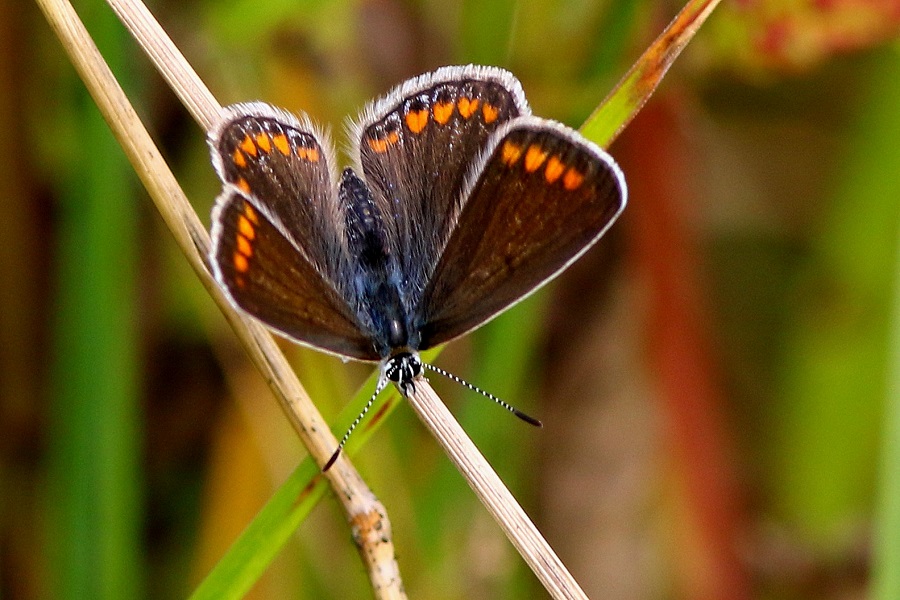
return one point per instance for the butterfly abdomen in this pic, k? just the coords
(377, 280)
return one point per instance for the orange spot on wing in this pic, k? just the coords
(248, 146)
(241, 264)
(554, 169)
(381, 145)
(573, 179)
(264, 143)
(442, 112)
(240, 282)
(417, 120)
(238, 158)
(244, 246)
(534, 158)
(281, 142)
(510, 153)
(251, 213)
(246, 228)
(490, 113)
(467, 107)
(310, 154)
(378, 146)
(243, 185)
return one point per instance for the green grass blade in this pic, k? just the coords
(260, 542)
(886, 128)
(95, 453)
(633, 91)
(257, 546)
(886, 570)
(836, 365)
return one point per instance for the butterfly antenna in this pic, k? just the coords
(381, 383)
(528, 419)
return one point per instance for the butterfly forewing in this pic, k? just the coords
(267, 277)
(278, 235)
(543, 196)
(416, 146)
(269, 154)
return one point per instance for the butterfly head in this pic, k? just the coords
(402, 369)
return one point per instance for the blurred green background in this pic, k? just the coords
(719, 378)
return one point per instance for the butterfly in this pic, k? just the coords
(459, 203)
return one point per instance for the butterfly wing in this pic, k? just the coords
(542, 196)
(278, 245)
(414, 148)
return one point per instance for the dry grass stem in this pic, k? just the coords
(167, 59)
(371, 526)
(489, 488)
(358, 501)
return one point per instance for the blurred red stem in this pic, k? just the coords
(664, 249)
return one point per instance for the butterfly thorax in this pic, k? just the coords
(377, 277)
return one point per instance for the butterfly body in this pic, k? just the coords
(378, 282)
(459, 204)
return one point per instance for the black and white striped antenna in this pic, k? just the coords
(402, 370)
(382, 382)
(528, 419)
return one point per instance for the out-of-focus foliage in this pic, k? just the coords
(712, 377)
(784, 37)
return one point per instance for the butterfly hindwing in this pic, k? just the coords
(278, 236)
(415, 147)
(289, 166)
(265, 275)
(543, 196)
